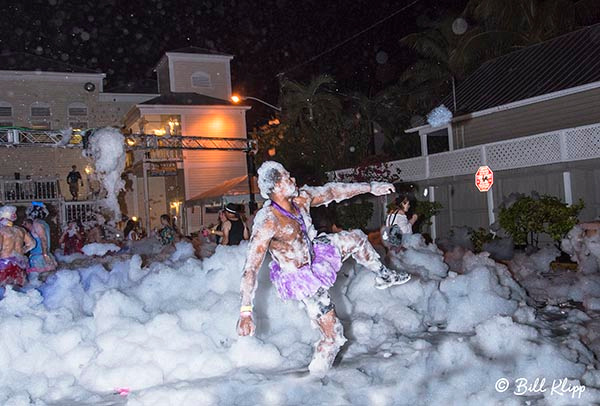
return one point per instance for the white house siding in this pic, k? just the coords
(217, 70)
(564, 112)
(206, 169)
(469, 206)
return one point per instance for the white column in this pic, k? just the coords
(567, 187)
(490, 205)
(433, 225)
(424, 151)
(146, 198)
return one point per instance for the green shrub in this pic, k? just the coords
(531, 216)
(354, 215)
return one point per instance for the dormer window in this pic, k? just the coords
(39, 109)
(201, 80)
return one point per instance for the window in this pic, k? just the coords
(39, 109)
(5, 109)
(77, 110)
(40, 125)
(437, 141)
(201, 79)
(78, 125)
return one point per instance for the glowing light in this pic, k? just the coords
(175, 205)
(425, 192)
(134, 218)
(130, 142)
(275, 121)
(272, 151)
(88, 169)
(162, 131)
(236, 99)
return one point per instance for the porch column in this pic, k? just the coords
(490, 205)
(567, 187)
(431, 200)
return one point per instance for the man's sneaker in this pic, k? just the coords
(391, 278)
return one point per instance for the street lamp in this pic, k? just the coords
(236, 99)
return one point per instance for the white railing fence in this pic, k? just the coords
(18, 191)
(78, 210)
(571, 144)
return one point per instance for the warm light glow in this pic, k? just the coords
(272, 151)
(172, 124)
(235, 98)
(275, 121)
(217, 125)
(175, 205)
(162, 131)
(134, 218)
(88, 169)
(130, 142)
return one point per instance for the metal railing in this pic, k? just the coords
(78, 210)
(21, 191)
(566, 145)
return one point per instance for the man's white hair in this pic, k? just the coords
(8, 213)
(269, 174)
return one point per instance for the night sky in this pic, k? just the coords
(126, 38)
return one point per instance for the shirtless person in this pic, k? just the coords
(14, 243)
(305, 265)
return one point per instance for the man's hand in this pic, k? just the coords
(246, 326)
(382, 188)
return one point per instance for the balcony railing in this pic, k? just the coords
(79, 211)
(571, 144)
(20, 191)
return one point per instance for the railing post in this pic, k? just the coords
(564, 152)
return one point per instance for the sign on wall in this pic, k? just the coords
(484, 178)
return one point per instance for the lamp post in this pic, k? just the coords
(236, 99)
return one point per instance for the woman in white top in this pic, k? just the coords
(398, 216)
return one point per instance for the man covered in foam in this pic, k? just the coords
(305, 265)
(14, 243)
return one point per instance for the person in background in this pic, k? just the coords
(217, 230)
(131, 232)
(72, 238)
(235, 230)
(14, 243)
(166, 234)
(40, 257)
(399, 217)
(74, 179)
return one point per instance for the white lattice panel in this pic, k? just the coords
(583, 143)
(524, 152)
(411, 169)
(457, 162)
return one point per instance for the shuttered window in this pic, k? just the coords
(201, 80)
(40, 110)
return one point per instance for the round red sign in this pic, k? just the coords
(484, 178)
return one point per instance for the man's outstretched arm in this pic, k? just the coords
(337, 191)
(262, 233)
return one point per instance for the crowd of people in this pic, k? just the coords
(25, 251)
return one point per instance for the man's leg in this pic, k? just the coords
(356, 244)
(321, 311)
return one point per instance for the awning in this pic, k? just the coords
(232, 190)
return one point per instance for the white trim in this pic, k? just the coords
(126, 97)
(59, 76)
(228, 73)
(433, 222)
(519, 103)
(171, 75)
(183, 56)
(171, 109)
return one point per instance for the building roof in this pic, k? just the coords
(187, 99)
(198, 50)
(561, 63)
(146, 86)
(22, 61)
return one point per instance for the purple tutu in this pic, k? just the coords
(305, 281)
